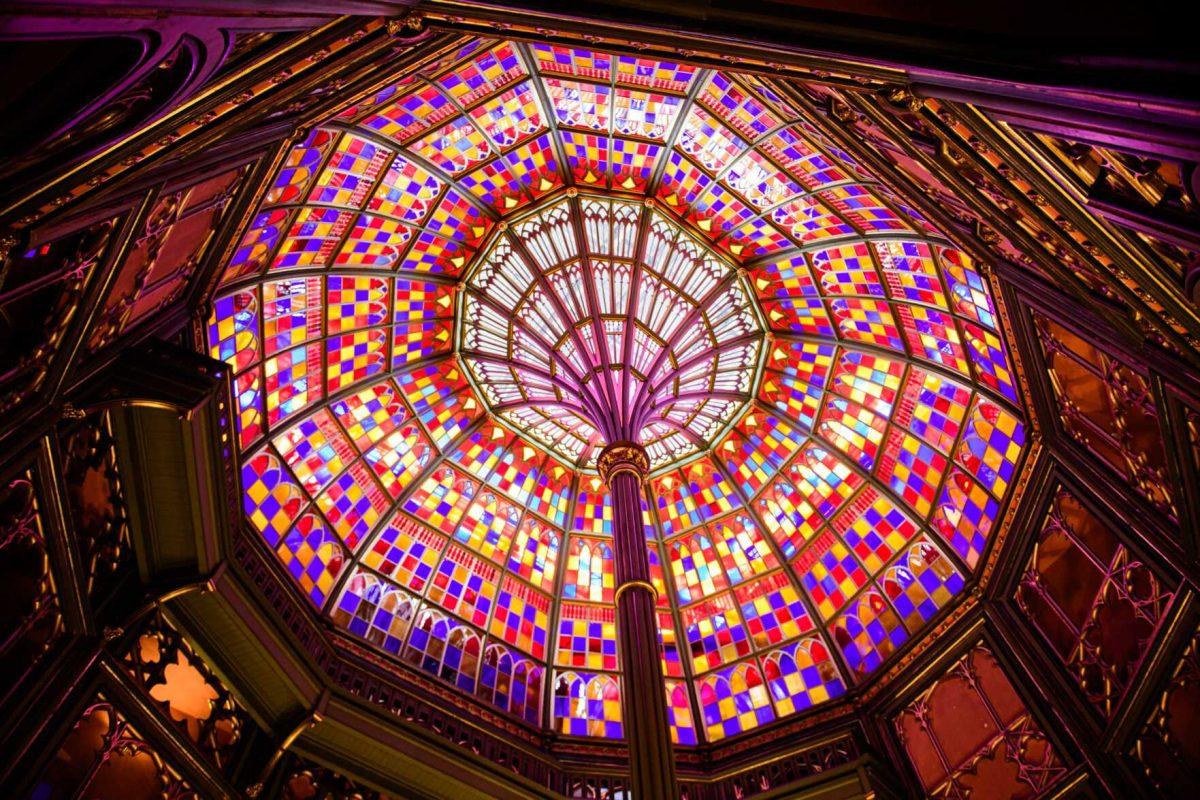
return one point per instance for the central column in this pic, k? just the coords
(624, 466)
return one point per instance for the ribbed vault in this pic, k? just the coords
(597, 320)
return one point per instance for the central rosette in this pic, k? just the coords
(594, 320)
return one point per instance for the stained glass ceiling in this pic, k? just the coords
(456, 290)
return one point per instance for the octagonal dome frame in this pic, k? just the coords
(884, 435)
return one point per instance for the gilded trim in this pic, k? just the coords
(627, 585)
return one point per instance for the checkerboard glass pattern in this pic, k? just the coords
(443, 301)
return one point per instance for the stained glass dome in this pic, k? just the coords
(457, 290)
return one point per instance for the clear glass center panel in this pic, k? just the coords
(594, 320)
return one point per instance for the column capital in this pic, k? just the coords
(623, 457)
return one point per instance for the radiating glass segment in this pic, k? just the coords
(594, 320)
